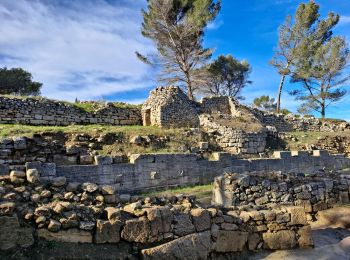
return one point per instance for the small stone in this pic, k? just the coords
(33, 175)
(107, 190)
(45, 194)
(89, 187)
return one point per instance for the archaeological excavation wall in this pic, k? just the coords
(154, 171)
(33, 209)
(313, 191)
(32, 111)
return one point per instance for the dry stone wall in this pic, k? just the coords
(33, 209)
(235, 141)
(313, 191)
(31, 111)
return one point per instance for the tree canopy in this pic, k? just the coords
(291, 36)
(226, 76)
(265, 102)
(18, 82)
(177, 27)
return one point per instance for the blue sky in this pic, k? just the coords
(85, 48)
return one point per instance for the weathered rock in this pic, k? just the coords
(201, 219)
(230, 241)
(136, 230)
(298, 216)
(6, 208)
(194, 246)
(87, 225)
(253, 241)
(107, 232)
(17, 174)
(72, 186)
(107, 190)
(183, 225)
(67, 236)
(132, 207)
(113, 214)
(33, 175)
(54, 225)
(19, 143)
(160, 219)
(89, 187)
(284, 239)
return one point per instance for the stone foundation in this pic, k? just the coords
(156, 228)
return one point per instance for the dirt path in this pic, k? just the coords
(331, 234)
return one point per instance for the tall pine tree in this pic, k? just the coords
(177, 27)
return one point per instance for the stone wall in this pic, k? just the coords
(31, 111)
(232, 140)
(169, 107)
(33, 209)
(212, 105)
(156, 171)
(313, 191)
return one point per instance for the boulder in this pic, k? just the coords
(160, 219)
(6, 208)
(113, 214)
(283, 239)
(72, 186)
(132, 207)
(230, 241)
(194, 246)
(20, 143)
(87, 225)
(107, 232)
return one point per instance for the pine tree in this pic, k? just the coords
(177, 28)
(291, 36)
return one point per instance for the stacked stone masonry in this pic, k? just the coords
(146, 172)
(31, 111)
(312, 191)
(34, 209)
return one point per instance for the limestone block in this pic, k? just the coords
(284, 239)
(68, 236)
(230, 241)
(183, 225)
(305, 237)
(107, 232)
(201, 219)
(136, 230)
(194, 246)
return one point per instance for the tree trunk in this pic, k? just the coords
(323, 103)
(278, 107)
(189, 86)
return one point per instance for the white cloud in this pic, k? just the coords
(344, 20)
(83, 49)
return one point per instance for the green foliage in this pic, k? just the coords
(285, 111)
(321, 61)
(177, 27)
(17, 81)
(227, 76)
(291, 37)
(265, 103)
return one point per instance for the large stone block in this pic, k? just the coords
(230, 241)
(107, 232)
(69, 236)
(283, 239)
(201, 219)
(194, 246)
(137, 230)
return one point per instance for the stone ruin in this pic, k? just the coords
(34, 209)
(169, 107)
